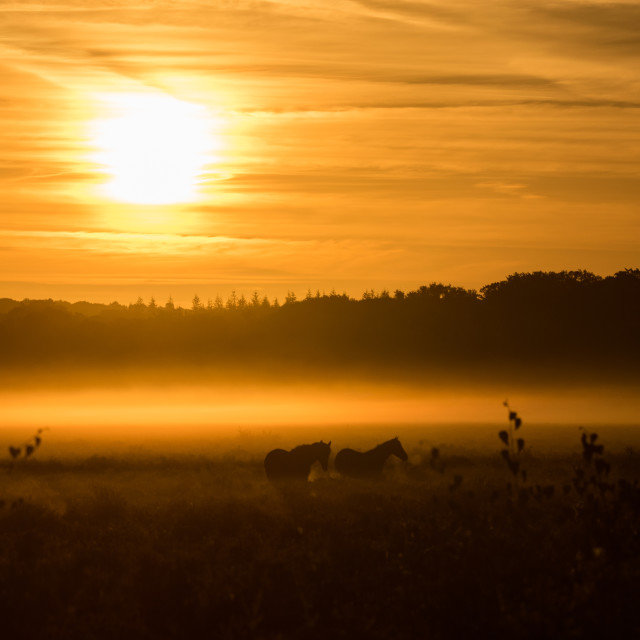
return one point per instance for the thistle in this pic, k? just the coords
(596, 470)
(27, 449)
(514, 448)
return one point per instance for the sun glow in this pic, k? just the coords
(155, 148)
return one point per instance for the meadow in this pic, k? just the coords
(160, 542)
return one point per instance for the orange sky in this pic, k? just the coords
(345, 144)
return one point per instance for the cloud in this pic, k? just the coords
(236, 43)
(105, 242)
(443, 12)
(506, 188)
(370, 122)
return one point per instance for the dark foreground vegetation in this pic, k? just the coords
(447, 546)
(571, 319)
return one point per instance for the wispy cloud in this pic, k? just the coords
(139, 243)
(354, 129)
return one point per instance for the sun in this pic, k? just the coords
(154, 148)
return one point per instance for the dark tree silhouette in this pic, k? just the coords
(550, 320)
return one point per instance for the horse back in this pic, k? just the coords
(349, 462)
(274, 462)
(357, 464)
(283, 465)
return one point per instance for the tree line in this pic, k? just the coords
(541, 318)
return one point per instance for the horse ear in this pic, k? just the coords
(329, 443)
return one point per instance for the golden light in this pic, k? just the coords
(154, 148)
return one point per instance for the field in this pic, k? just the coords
(160, 542)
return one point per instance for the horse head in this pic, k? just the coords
(398, 450)
(324, 451)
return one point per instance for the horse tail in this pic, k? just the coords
(276, 464)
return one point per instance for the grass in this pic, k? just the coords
(193, 546)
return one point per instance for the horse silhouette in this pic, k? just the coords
(296, 464)
(368, 464)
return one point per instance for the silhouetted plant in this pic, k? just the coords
(591, 480)
(589, 446)
(513, 451)
(27, 449)
(540, 492)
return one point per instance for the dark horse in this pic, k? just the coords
(296, 464)
(370, 463)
